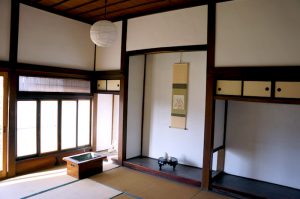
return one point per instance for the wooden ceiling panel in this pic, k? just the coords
(49, 3)
(121, 7)
(91, 11)
(146, 8)
(73, 4)
(87, 8)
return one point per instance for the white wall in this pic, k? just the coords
(258, 33)
(49, 39)
(109, 58)
(263, 142)
(186, 145)
(174, 28)
(135, 104)
(4, 29)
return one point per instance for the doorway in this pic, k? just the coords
(107, 123)
(3, 124)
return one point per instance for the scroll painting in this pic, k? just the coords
(179, 96)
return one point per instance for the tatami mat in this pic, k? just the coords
(85, 188)
(25, 185)
(141, 185)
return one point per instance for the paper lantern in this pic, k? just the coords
(103, 33)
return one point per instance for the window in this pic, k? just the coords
(53, 115)
(38, 124)
(48, 126)
(26, 128)
(68, 124)
(45, 84)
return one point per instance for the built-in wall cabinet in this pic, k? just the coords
(256, 136)
(108, 85)
(282, 89)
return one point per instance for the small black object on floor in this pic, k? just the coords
(172, 162)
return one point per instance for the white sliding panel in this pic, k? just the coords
(104, 122)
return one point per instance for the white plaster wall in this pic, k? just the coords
(263, 142)
(109, 58)
(135, 104)
(158, 138)
(49, 39)
(5, 6)
(258, 33)
(174, 28)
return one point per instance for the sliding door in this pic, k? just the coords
(3, 124)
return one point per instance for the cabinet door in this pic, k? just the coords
(229, 87)
(101, 85)
(287, 89)
(257, 88)
(113, 85)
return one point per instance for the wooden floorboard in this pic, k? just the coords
(249, 188)
(182, 173)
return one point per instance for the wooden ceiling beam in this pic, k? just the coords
(59, 3)
(131, 7)
(101, 7)
(80, 5)
(52, 10)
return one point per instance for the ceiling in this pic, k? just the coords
(90, 11)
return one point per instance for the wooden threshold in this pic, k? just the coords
(242, 187)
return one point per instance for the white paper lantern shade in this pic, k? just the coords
(103, 33)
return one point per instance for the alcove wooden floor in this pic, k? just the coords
(249, 188)
(182, 173)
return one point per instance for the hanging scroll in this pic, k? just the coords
(179, 96)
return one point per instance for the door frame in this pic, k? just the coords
(3, 173)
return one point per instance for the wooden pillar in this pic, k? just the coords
(12, 87)
(94, 121)
(123, 97)
(210, 102)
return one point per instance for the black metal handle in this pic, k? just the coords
(267, 88)
(278, 89)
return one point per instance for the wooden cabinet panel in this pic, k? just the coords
(257, 88)
(101, 85)
(113, 85)
(229, 87)
(287, 89)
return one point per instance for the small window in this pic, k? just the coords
(26, 128)
(45, 84)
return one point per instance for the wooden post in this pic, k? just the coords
(210, 102)
(123, 97)
(12, 88)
